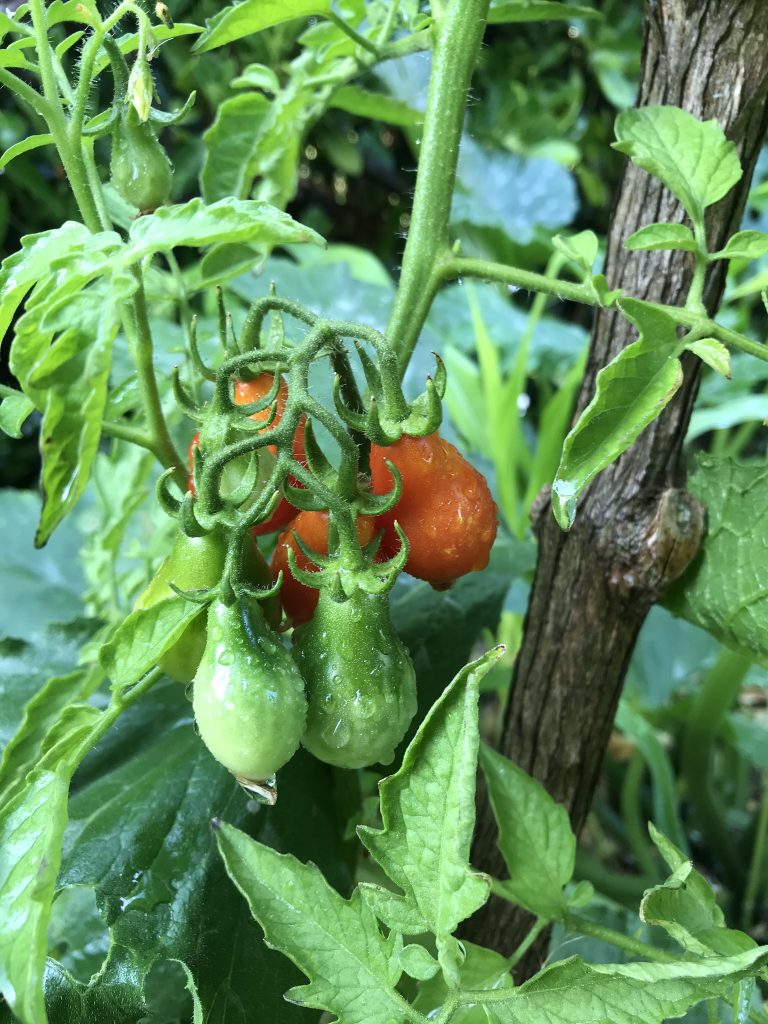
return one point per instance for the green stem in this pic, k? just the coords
(140, 341)
(127, 432)
(457, 42)
(715, 697)
(538, 927)
(757, 860)
(71, 155)
(347, 29)
(632, 947)
(487, 270)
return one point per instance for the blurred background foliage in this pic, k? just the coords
(689, 751)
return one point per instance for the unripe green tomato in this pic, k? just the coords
(140, 169)
(361, 686)
(248, 695)
(196, 563)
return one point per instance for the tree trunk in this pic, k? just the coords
(595, 585)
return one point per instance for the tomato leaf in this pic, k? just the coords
(505, 12)
(249, 16)
(725, 589)
(662, 236)
(143, 637)
(714, 354)
(19, 272)
(535, 837)
(31, 830)
(229, 220)
(428, 813)
(686, 907)
(692, 158)
(336, 942)
(139, 835)
(376, 106)
(744, 245)
(24, 146)
(232, 149)
(636, 993)
(71, 427)
(14, 410)
(631, 392)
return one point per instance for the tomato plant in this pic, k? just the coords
(212, 230)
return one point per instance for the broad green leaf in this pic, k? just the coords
(535, 837)
(71, 427)
(376, 106)
(744, 245)
(580, 249)
(631, 392)
(46, 586)
(662, 236)
(692, 158)
(257, 76)
(139, 835)
(352, 968)
(725, 589)
(40, 713)
(249, 16)
(13, 412)
(31, 830)
(686, 907)
(232, 147)
(19, 272)
(24, 146)
(571, 992)
(504, 12)
(428, 814)
(143, 637)
(229, 220)
(714, 354)
(417, 962)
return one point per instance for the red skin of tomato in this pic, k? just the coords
(446, 510)
(298, 600)
(247, 391)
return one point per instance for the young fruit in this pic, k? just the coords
(196, 563)
(298, 600)
(361, 686)
(248, 695)
(140, 170)
(446, 510)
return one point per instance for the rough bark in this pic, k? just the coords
(595, 585)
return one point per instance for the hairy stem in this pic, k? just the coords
(457, 42)
(140, 340)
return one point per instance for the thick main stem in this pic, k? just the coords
(458, 34)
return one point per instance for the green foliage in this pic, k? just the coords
(535, 838)
(116, 897)
(691, 157)
(723, 590)
(631, 392)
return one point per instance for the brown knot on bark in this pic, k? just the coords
(668, 545)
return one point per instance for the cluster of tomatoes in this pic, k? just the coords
(445, 510)
(347, 690)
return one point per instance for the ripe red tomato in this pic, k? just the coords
(247, 391)
(446, 510)
(299, 601)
